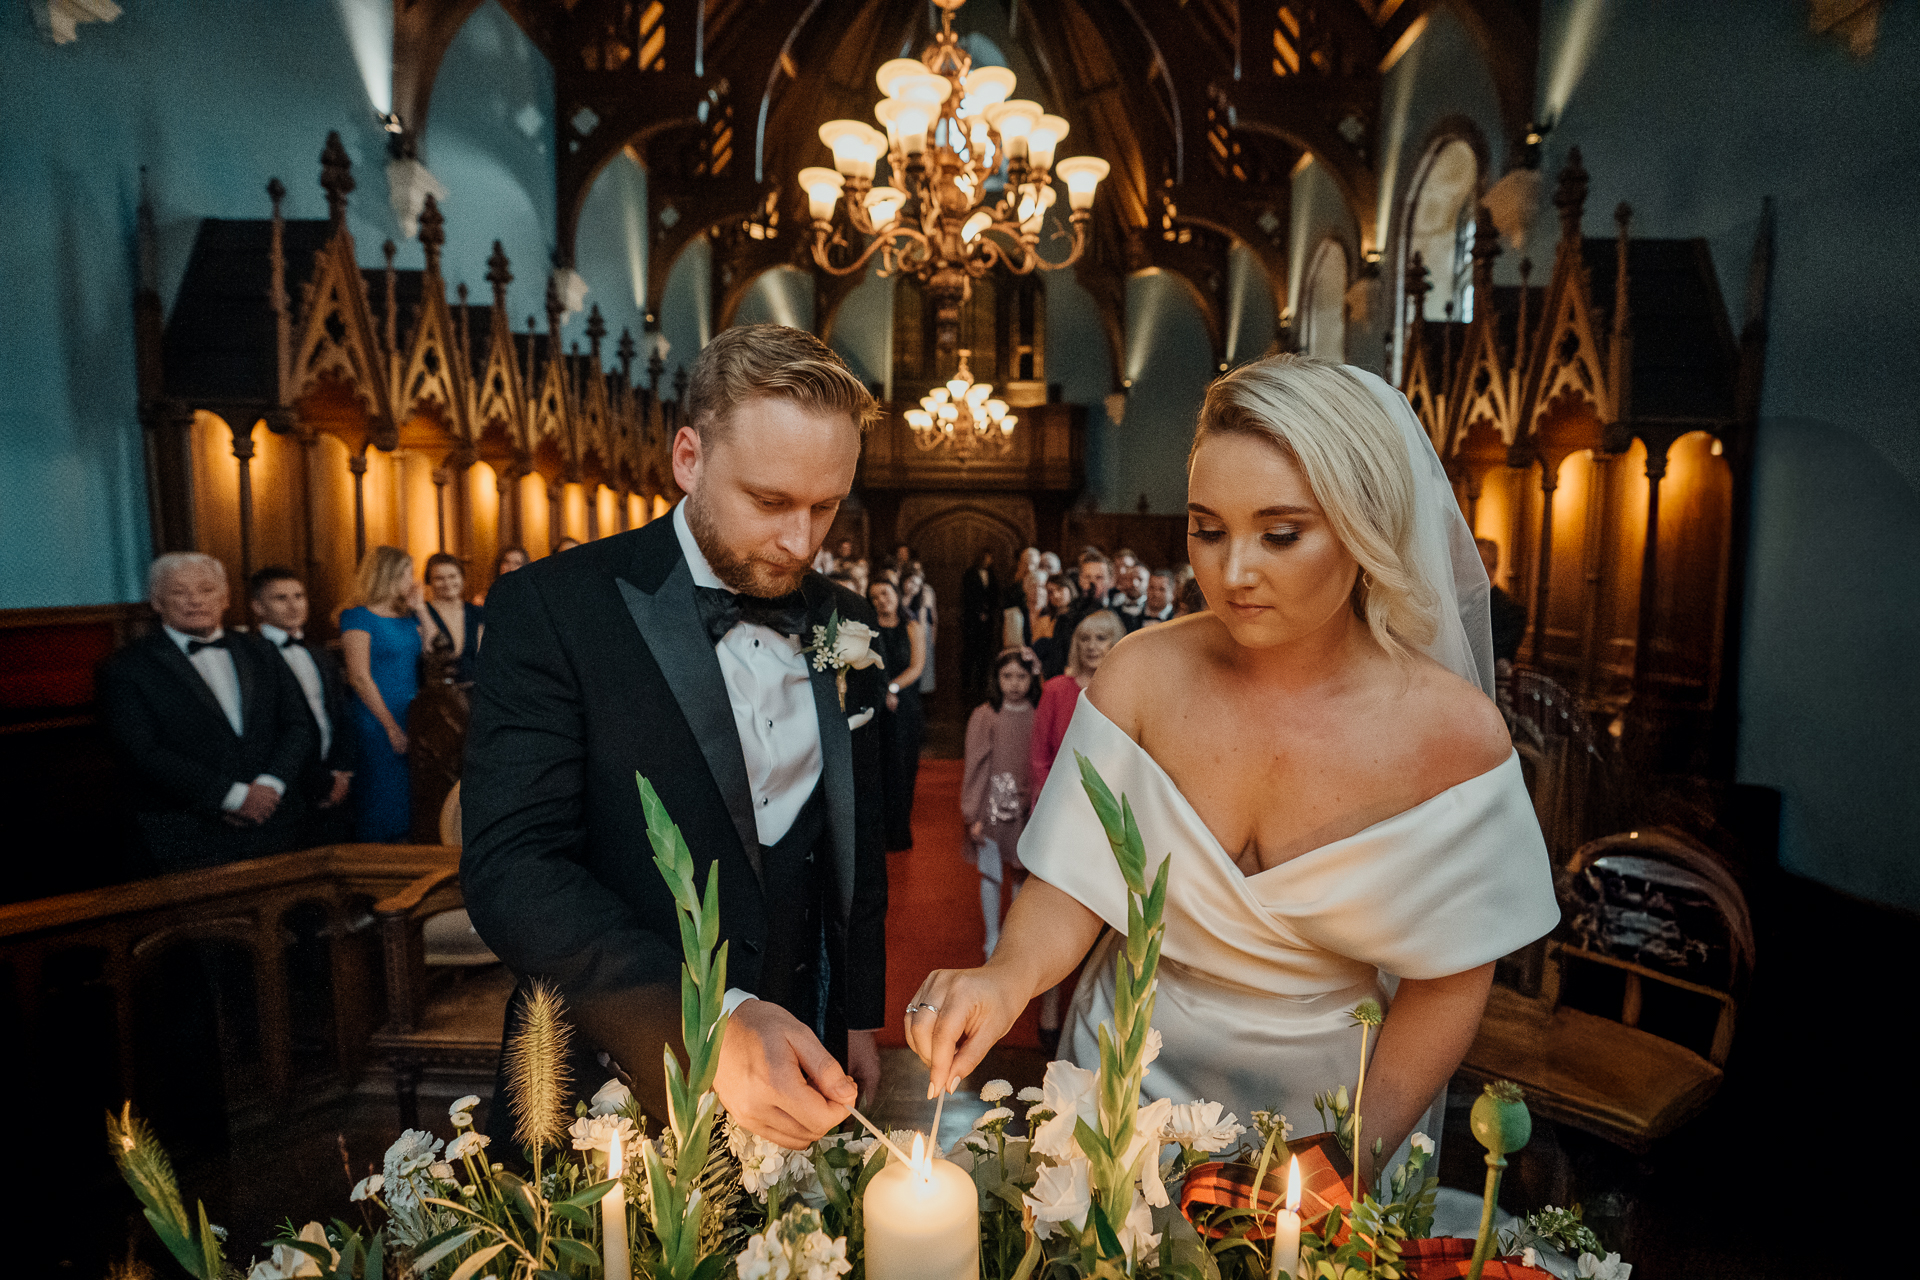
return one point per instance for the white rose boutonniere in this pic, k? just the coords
(843, 645)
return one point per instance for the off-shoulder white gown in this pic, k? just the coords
(1258, 973)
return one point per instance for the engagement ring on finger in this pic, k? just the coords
(919, 1005)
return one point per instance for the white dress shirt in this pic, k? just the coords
(215, 666)
(770, 689)
(300, 659)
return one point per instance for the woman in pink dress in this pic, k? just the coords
(1098, 632)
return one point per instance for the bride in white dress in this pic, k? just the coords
(1319, 755)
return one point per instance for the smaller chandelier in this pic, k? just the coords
(950, 127)
(963, 416)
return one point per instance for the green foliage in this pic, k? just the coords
(1563, 1229)
(673, 1191)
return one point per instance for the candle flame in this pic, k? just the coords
(921, 1163)
(1293, 1185)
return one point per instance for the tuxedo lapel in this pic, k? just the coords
(670, 627)
(168, 654)
(246, 672)
(836, 747)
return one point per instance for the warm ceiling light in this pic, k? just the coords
(883, 205)
(823, 190)
(1046, 134)
(986, 86)
(1013, 121)
(855, 146)
(970, 231)
(895, 70)
(1083, 175)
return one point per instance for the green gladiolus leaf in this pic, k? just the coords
(470, 1267)
(425, 1260)
(577, 1252)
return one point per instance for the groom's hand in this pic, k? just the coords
(778, 1080)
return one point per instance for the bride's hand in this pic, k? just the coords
(971, 1009)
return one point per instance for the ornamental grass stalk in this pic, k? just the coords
(537, 1076)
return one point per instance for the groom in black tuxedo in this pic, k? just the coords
(674, 651)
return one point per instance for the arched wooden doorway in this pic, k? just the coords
(947, 534)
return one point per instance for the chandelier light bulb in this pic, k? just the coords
(1047, 133)
(823, 191)
(977, 395)
(1007, 424)
(1033, 209)
(985, 87)
(919, 419)
(884, 204)
(949, 412)
(957, 387)
(939, 396)
(996, 410)
(971, 230)
(887, 112)
(925, 88)
(853, 145)
(1083, 175)
(1014, 121)
(910, 123)
(895, 70)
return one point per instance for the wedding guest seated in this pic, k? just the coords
(279, 602)
(1130, 595)
(996, 791)
(209, 725)
(1160, 598)
(458, 624)
(1050, 561)
(1192, 600)
(510, 558)
(567, 543)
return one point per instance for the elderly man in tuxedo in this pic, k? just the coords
(279, 602)
(209, 725)
(675, 652)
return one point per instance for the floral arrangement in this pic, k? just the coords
(1081, 1193)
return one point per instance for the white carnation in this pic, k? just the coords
(1200, 1125)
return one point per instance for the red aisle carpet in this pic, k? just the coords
(933, 903)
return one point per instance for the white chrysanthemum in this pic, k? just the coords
(441, 1171)
(467, 1144)
(999, 1115)
(1030, 1095)
(368, 1187)
(1200, 1125)
(995, 1090)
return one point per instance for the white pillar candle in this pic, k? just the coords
(923, 1221)
(1286, 1229)
(616, 1261)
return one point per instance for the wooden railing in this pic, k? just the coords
(246, 904)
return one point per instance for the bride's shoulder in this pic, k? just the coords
(1149, 665)
(1455, 728)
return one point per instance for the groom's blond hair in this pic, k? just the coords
(773, 361)
(1356, 462)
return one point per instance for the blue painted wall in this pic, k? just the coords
(215, 98)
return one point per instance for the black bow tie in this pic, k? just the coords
(291, 642)
(195, 646)
(722, 610)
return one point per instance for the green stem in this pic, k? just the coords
(1483, 1246)
(1359, 1091)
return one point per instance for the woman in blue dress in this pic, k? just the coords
(381, 633)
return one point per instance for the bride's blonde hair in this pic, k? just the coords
(1356, 462)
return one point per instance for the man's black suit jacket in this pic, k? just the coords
(343, 752)
(597, 667)
(181, 755)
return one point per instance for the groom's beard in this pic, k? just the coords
(749, 575)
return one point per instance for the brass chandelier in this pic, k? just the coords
(962, 416)
(949, 128)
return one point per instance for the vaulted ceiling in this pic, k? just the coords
(1203, 107)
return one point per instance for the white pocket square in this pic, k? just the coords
(855, 721)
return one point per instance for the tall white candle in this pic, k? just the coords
(923, 1221)
(616, 1260)
(1286, 1229)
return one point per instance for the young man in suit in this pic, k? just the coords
(675, 652)
(209, 724)
(279, 602)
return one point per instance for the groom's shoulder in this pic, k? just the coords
(644, 556)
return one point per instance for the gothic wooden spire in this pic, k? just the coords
(433, 233)
(1570, 197)
(626, 351)
(336, 178)
(499, 277)
(596, 330)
